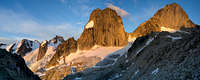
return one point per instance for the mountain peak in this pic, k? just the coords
(172, 17)
(106, 12)
(104, 28)
(172, 5)
(23, 46)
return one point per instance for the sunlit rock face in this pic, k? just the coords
(104, 28)
(171, 17)
(64, 49)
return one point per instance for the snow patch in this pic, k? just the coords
(172, 30)
(167, 29)
(44, 61)
(90, 24)
(78, 78)
(31, 57)
(44, 42)
(35, 45)
(155, 71)
(50, 68)
(101, 52)
(3, 47)
(40, 74)
(126, 60)
(135, 73)
(131, 39)
(73, 69)
(61, 60)
(54, 44)
(174, 38)
(120, 52)
(147, 43)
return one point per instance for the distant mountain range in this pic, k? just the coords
(105, 51)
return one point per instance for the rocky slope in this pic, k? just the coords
(13, 67)
(76, 62)
(45, 44)
(68, 46)
(156, 56)
(104, 28)
(22, 47)
(40, 57)
(170, 18)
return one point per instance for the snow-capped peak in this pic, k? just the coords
(56, 41)
(23, 46)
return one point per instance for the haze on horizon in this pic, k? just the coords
(44, 19)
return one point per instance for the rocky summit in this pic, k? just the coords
(13, 67)
(170, 18)
(22, 47)
(104, 28)
(64, 49)
(156, 56)
(45, 44)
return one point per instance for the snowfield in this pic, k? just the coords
(90, 24)
(31, 57)
(168, 29)
(43, 62)
(97, 51)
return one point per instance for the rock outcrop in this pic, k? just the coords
(64, 49)
(104, 28)
(13, 67)
(156, 56)
(42, 49)
(171, 17)
(45, 44)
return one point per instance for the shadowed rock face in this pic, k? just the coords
(64, 49)
(104, 28)
(2, 44)
(13, 67)
(45, 44)
(156, 56)
(25, 47)
(42, 50)
(57, 39)
(171, 16)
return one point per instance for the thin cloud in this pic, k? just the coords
(19, 23)
(134, 2)
(62, 1)
(120, 11)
